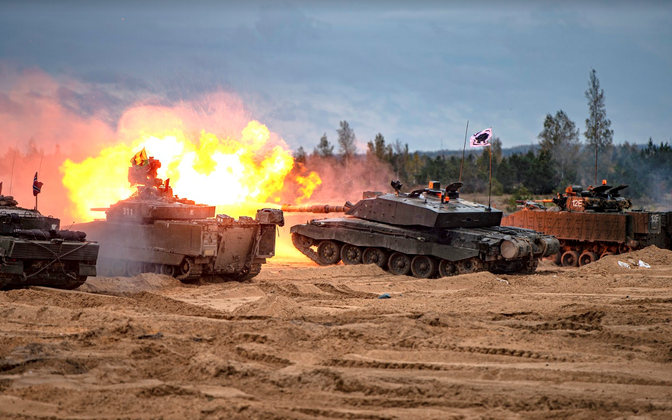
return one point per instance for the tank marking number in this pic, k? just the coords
(577, 203)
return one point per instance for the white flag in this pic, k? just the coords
(481, 139)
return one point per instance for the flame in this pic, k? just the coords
(239, 176)
(308, 184)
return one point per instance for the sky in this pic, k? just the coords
(413, 71)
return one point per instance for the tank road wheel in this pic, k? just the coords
(329, 252)
(447, 268)
(151, 268)
(423, 266)
(467, 266)
(351, 255)
(377, 256)
(557, 258)
(135, 268)
(399, 264)
(604, 254)
(587, 258)
(168, 270)
(623, 248)
(118, 268)
(570, 259)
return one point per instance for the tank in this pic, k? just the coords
(428, 233)
(34, 251)
(593, 223)
(156, 231)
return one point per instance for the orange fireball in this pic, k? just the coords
(239, 176)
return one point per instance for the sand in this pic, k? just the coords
(307, 342)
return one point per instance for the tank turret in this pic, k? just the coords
(154, 199)
(156, 231)
(34, 251)
(428, 232)
(595, 199)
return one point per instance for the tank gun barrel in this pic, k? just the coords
(315, 208)
(545, 200)
(99, 208)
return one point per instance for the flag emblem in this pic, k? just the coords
(481, 139)
(37, 186)
(140, 158)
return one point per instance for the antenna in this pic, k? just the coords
(464, 147)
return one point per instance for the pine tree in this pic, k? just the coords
(377, 148)
(598, 132)
(324, 148)
(560, 139)
(346, 141)
(300, 155)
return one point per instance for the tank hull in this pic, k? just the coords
(586, 237)
(185, 249)
(35, 252)
(449, 251)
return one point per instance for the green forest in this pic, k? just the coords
(564, 155)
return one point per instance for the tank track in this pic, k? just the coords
(249, 274)
(443, 268)
(193, 272)
(67, 281)
(303, 244)
(574, 253)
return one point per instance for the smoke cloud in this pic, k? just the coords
(46, 121)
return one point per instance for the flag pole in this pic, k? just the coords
(463, 149)
(490, 181)
(38, 170)
(11, 178)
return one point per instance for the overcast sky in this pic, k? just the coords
(414, 71)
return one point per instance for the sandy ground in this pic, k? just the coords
(304, 342)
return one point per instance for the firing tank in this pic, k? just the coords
(156, 231)
(428, 233)
(593, 223)
(34, 251)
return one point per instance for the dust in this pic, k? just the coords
(122, 285)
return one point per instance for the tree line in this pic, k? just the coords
(560, 159)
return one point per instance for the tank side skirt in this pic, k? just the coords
(576, 226)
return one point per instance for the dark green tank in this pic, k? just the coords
(35, 252)
(427, 233)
